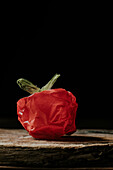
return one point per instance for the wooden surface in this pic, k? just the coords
(85, 148)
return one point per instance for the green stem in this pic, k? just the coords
(31, 88)
(27, 86)
(50, 83)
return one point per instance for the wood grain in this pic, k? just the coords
(85, 148)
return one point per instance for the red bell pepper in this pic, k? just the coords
(48, 114)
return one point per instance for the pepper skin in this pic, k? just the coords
(48, 114)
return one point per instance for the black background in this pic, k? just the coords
(39, 40)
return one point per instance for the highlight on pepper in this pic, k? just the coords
(47, 113)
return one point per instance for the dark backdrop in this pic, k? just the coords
(39, 40)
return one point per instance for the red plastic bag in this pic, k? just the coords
(48, 114)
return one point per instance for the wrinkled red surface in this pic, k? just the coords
(48, 114)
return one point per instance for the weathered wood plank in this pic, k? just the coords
(30, 168)
(85, 148)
